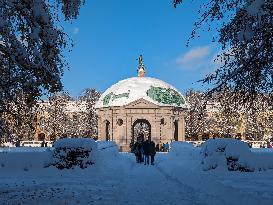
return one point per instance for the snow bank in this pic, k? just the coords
(102, 153)
(181, 149)
(74, 152)
(23, 161)
(233, 155)
(107, 145)
(183, 154)
(107, 152)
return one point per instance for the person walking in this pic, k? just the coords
(17, 143)
(141, 141)
(152, 151)
(137, 149)
(157, 148)
(146, 152)
(166, 147)
(43, 143)
(163, 147)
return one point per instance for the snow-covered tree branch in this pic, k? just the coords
(31, 45)
(245, 30)
(218, 117)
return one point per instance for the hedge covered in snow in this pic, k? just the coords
(181, 149)
(16, 160)
(233, 155)
(73, 152)
(108, 145)
(182, 154)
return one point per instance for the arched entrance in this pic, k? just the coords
(141, 126)
(175, 124)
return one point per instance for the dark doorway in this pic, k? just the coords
(107, 130)
(41, 137)
(141, 126)
(175, 124)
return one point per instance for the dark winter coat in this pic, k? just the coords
(137, 148)
(146, 149)
(152, 150)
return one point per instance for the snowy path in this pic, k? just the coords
(119, 180)
(148, 185)
(122, 182)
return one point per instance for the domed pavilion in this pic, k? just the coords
(141, 105)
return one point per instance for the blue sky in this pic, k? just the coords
(109, 36)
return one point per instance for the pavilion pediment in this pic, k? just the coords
(141, 103)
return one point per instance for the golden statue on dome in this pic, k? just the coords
(140, 69)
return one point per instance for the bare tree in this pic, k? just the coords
(220, 118)
(56, 118)
(244, 30)
(196, 122)
(19, 122)
(90, 119)
(31, 44)
(259, 124)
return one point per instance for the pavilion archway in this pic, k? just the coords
(141, 126)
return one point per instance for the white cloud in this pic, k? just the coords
(76, 30)
(195, 54)
(216, 59)
(200, 59)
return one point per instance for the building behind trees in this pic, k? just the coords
(217, 118)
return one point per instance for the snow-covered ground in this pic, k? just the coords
(115, 178)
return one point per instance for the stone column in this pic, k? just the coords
(181, 129)
(154, 131)
(102, 129)
(99, 128)
(129, 129)
(113, 126)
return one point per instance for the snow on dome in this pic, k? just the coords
(150, 89)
